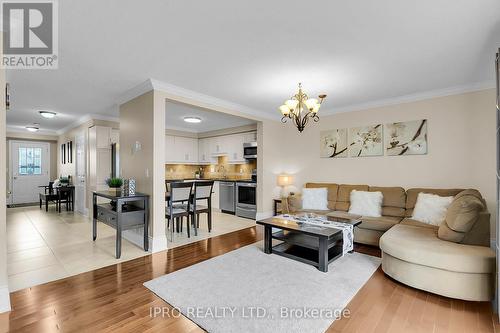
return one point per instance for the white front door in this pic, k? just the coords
(80, 190)
(30, 168)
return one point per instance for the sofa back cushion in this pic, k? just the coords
(461, 216)
(394, 201)
(344, 195)
(332, 192)
(412, 194)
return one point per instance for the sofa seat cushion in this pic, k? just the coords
(342, 215)
(382, 223)
(415, 223)
(422, 246)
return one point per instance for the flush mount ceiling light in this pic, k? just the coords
(300, 108)
(193, 120)
(47, 114)
(33, 128)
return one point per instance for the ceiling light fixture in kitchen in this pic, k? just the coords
(193, 120)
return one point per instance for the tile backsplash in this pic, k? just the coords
(215, 171)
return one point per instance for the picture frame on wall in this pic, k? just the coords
(63, 153)
(406, 138)
(70, 151)
(366, 141)
(333, 143)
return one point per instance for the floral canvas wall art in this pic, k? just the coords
(366, 141)
(333, 143)
(407, 138)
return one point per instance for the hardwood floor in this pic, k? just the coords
(113, 299)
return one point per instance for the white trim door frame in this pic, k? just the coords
(29, 168)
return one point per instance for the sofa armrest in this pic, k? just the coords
(480, 232)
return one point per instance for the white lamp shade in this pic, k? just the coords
(311, 103)
(284, 110)
(316, 108)
(285, 180)
(291, 103)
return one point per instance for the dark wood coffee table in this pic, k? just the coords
(308, 243)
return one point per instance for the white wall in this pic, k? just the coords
(4, 289)
(461, 149)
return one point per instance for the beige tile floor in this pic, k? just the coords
(221, 224)
(47, 246)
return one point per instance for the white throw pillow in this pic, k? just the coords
(431, 208)
(315, 198)
(366, 203)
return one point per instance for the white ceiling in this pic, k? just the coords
(255, 52)
(210, 120)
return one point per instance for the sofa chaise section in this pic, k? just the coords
(416, 256)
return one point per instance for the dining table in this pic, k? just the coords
(58, 190)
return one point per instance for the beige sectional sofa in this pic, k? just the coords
(413, 252)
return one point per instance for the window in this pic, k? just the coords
(30, 161)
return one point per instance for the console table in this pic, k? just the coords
(123, 212)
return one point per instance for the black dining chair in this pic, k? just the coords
(65, 196)
(177, 209)
(47, 196)
(202, 191)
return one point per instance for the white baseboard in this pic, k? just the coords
(4, 299)
(159, 243)
(263, 215)
(156, 244)
(136, 236)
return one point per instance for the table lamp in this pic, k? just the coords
(284, 181)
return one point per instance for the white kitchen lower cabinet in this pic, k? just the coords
(215, 196)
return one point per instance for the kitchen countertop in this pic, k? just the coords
(221, 180)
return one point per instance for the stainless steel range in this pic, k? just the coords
(246, 203)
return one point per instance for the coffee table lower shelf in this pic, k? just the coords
(306, 248)
(304, 254)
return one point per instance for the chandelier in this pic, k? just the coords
(300, 108)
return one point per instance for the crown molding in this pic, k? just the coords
(176, 92)
(208, 101)
(22, 129)
(84, 119)
(420, 96)
(134, 92)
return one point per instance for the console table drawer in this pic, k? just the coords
(106, 216)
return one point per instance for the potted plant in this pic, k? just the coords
(114, 184)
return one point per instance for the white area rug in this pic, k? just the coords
(247, 290)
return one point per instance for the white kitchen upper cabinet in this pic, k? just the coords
(169, 148)
(235, 148)
(250, 137)
(218, 146)
(204, 152)
(103, 137)
(193, 151)
(180, 149)
(115, 136)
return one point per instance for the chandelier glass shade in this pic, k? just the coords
(300, 109)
